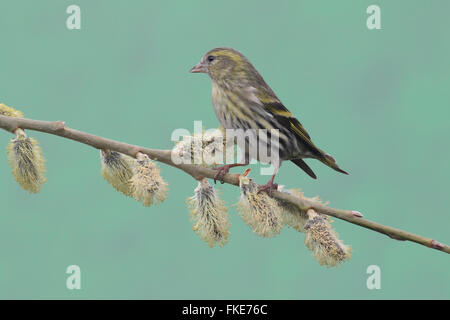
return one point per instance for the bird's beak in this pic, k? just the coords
(199, 67)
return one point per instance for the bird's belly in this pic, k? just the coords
(252, 143)
(222, 112)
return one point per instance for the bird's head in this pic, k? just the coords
(225, 64)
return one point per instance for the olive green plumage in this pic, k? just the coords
(242, 100)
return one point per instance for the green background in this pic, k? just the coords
(377, 100)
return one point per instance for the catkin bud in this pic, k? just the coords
(291, 214)
(117, 169)
(260, 211)
(10, 112)
(27, 162)
(323, 241)
(209, 215)
(206, 149)
(147, 184)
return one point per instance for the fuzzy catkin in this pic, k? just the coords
(10, 112)
(291, 215)
(323, 241)
(260, 211)
(147, 184)
(27, 162)
(209, 215)
(206, 149)
(117, 169)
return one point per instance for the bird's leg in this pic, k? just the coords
(221, 171)
(269, 186)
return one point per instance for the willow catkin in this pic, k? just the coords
(206, 149)
(117, 169)
(147, 184)
(10, 112)
(209, 215)
(323, 241)
(27, 162)
(291, 214)
(260, 211)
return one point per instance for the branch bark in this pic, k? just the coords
(59, 128)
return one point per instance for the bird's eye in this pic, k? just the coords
(210, 58)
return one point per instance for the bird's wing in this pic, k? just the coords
(278, 110)
(288, 121)
(273, 105)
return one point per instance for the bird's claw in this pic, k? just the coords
(269, 187)
(221, 172)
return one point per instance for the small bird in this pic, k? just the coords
(242, 100)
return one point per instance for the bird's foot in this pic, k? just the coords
(221, 172)
(268, 187)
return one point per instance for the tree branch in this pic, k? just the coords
(197, 172)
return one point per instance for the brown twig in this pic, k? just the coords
(197, 172)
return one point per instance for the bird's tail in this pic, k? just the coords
(302, 165)
(331, 162)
